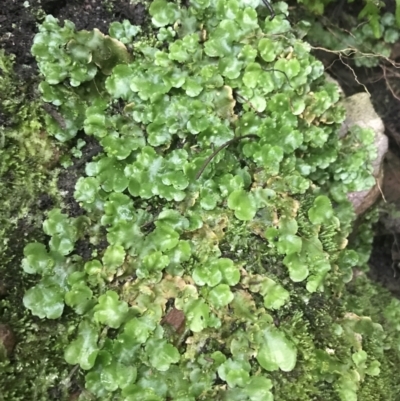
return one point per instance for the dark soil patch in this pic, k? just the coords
(69, 176)
(382, 267)
(66, 184)
(18, 24)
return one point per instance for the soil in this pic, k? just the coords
(68, 177)
(383, 268)
(18, 24)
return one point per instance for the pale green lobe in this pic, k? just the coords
(62, 245)
(139, 329)
(251, 75)
(359, 357)
(220, 295)
(276, 351)
(230, 273)
(197, 313)
(209, 275)
(125, 375)
(93, 267)
(347, 386)
(152, 263)
(322, 211)
(235, 373)
(136, 393)
(275, 296)
(37, 260)
(259, 103)
(124, 32)
(288, 225)
(243, 203)
(161, 354)
(86, 189)
(267, 49)
(113, 257)
(163, 13)
(46, 299)
(78, 297)
(298, 270)
(290, 67)
(83, 350)
(110, 310)
(230, 67)
(258, 388)
(320, 269)
(289, 244)
(373, 369)
(277, 25)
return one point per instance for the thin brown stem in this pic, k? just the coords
(282, 72)
(216, 151)
(249, 103)
(354, 74)
(389, 86)
(270, 9)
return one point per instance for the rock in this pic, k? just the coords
(7, 341)
(359, 111)
(391, 182)
(3, 289)
(391, 189)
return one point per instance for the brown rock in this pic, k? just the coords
(176, 319)
(391, 182)
(359, 111)
(3, 289)
(391, 191)
(7, 340)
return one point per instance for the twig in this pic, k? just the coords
(216, 151)
(389, 86)
(380, 189)
(353, 51)
(354, 74)
(53, 112)
(270, 9)
(282, 72)
(71, 373)
(249, 103)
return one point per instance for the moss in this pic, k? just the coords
(364, 297)
(26, 185)
(26, 153)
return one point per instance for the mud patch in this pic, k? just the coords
(383, 269)
(69, 176)
(19, 24)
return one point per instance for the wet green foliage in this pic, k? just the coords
(226, 251)
(366, 38)
(368, 44)
(371, 10)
